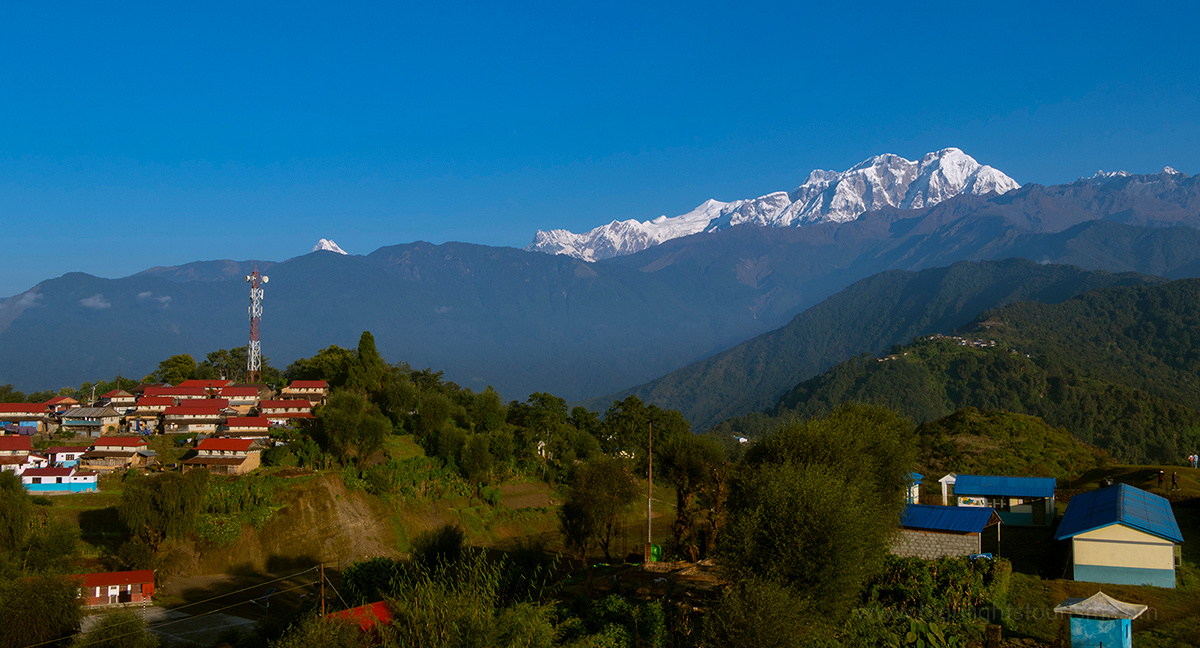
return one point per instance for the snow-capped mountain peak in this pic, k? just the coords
(329, 246)
(886, 180)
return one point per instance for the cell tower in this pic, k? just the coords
(254, 351)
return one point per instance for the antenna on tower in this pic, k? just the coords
(254, 350)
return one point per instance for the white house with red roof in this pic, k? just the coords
(27, 418)
(195, 416)
(16, 454)
(247, 427)
(146, 418)
(119, 399)
(59, 480)
(64, 456)
(180, 392)
(116, 588)
(207, 384)
(285, 412)
(225, 456)
(117, 452)
(314, 391)
(60, 404)
(241, 398)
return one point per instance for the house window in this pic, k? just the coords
(37, 480)
(58, 480)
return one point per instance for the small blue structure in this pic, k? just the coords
(1121, 534)
(950, 519)
(1023, 501)
(1100, 620)
(931, 532)
(914, 488)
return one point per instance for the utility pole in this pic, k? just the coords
(649, 489)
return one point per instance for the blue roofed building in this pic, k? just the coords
(935, 531)
(1020, 501)
(1122, 535)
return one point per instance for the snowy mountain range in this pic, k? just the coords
(882, 181)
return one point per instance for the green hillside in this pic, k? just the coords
(869, 316)
(1117, 367)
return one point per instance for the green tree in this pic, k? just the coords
(16, 512)
(175, 369)
(118, 629)
(331, 364)
(349, 422)
(814, 505)
(163, 506)
(754, 613)
(597, 502)
(694, 466)
(38, 610)
(368, 369)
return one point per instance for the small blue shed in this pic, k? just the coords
(1100, 620)
(935, 531)
(1121, 534)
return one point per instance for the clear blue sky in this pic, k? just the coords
(141, 135)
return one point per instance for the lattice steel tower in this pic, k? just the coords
(254, 350)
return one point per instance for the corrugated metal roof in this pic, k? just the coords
(982, 485)
(957, 519)
(1120, 504)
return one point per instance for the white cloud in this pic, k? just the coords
(165, 300)
(28, 299)
(145, 295)
(96, 301)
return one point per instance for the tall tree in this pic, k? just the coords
(599, 499)
(368, 368)
(175, 369)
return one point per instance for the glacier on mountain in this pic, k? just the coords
(882, 181)
(329, 246)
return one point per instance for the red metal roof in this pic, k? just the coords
(23, 408)
(117, 578)
(366, 616)
(115, 393)
(282, 415)
(154, 401)
(48, 472)
(61, 449)
(61, 399)
(119, 441)
(238, 391)
(248, 422)
(285, 404)
(195, 382)
(237, 445)
(177, 391)
(11, 442)
(192, 408)
(309, 384)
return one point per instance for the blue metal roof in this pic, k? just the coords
(1120, 504)
(985, 485)
(959, 519)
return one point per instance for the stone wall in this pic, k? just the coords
(929, 545)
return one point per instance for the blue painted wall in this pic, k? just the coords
(1093, 633)
(1125, 575)
(61, 488)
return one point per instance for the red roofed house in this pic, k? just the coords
(145, 419)
(315, 391)
(366, 617)
(181, 392)
(116, 588)
(61, 403)
(225, 456)
(16, 454)
(113, 452)
(195, 416)
(247, 427)
(242, 399)
(26, 418)
(119, 399)
(282, 412)
(207, 384)
(64, 456)
(59, 480)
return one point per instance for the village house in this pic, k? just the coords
(225, 456)
(26, 418)
(1122, 535)
(117, 453)
(59, 480)
(116, 588)
(16, 454)
(60, 404)
(212, 385)
(314, 391)
(1020, 501)
(179, 393)
(146, 418)
(195, 416)
(64, 456)
(241, 399)
(248, 427)
(931, 532)
(90, 421)
(284, 412)
(119, 399)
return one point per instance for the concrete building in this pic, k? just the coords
(116, 588)
(195, 416)
(314, 391)
(1020, 501)
(931, 532)
(26, 418)
(117, 453)
(285, 412)
(64, 456)
(1122, 535)
(90, 421)
(59, 480)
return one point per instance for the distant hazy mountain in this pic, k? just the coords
(526, 321)
(826, 196)
(868, 317)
